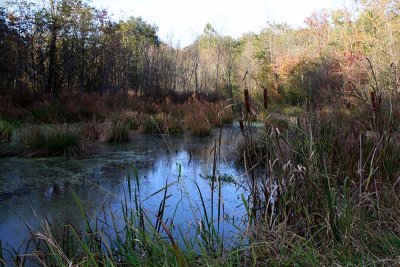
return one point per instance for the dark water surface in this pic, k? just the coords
(34, 189)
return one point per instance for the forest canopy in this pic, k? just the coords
(71, 46)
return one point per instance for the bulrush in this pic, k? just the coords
(265, 98)
(373, 101)
(247, 100)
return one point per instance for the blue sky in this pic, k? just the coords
(183, 20)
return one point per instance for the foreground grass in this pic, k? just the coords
(356, 239)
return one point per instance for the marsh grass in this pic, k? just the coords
(125, 112)
(327, 195)
(162, 123)
(302, 211)
(51, 141)
(116, 131)
(130, 118)
(200, 116)
(67, 108)
(327, 187)
(293, 111)
(197, 123)
(169, 124)
(128, 107)
(6, 130)
(92, 130)
(150, 125)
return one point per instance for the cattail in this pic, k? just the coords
(247, 100)
(373, 101)
(265, 98)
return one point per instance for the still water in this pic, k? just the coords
(34, 189)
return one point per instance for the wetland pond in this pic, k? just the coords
(32, 189)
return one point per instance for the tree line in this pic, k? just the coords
(70, 46)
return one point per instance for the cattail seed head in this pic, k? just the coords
(265, 98)
(247, 100)
(373, 101)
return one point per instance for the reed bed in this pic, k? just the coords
(330, 191)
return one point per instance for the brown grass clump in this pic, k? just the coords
(91, 131)
(200, 116)
(32, 138)
(130, 118)
(217, 114)
(162, 123)
(149, 125)
(169, 124)
(60, 140)
(116, 131)
(198, 123)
